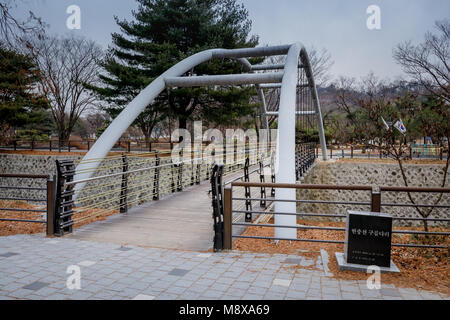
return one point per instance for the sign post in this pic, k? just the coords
(367, 242)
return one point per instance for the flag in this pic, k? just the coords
(385, 123)
(400, 126)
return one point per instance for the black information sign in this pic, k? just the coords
(368, 238)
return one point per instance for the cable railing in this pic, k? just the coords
(37, 215)
(413, 152)
(374, 205)
(120, 182)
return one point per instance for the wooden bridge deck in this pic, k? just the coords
(182, 220)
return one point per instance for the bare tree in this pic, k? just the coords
(428, 62)
(67, 66)
(13, 31)
(94, 121)
(347, 96)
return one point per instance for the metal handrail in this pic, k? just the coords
(49, 210)
(339, 187)
(20, 175)
(376, 205)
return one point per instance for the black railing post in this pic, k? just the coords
(248, 202)
(156, 177)
(228, 219)
(50, 144)
(172, 169)
(375, 200)
(262, 180)
(272, 171)
(180, 177)
(192, 171)
(63, 210)
(217, 204)
(351, 152)
(124, 186)
(199, 172)
(51, 206)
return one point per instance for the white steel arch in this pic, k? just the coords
(286, 122)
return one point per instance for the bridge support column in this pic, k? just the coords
(286, 146)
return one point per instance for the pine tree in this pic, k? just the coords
(165, 32)
(20, 104)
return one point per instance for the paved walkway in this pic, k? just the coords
(35, 267)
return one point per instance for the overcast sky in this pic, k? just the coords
(338, 26)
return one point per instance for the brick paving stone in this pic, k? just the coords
(274, 296)
(175, 290)
(112, 272)
(167, 296)
(390, 292)
(296, 295)
(282, 282)
(8, 254)
(330, 291)
(350, 296)
(35, 285)
(143, 297)
(371, 293)
(224, 280)
(430, 295)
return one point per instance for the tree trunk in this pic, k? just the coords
(182, 122)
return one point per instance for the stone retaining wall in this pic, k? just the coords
(103, 193)
(373, 174)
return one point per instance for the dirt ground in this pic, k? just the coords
(427, 269)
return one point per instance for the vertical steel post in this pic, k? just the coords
(124, 186)
(376, 200)
(227, 219)
(217, 204)
(262, 180)
(286, 142)
(156, 177)
(248, 202)
(50, 206)
(63, 208)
